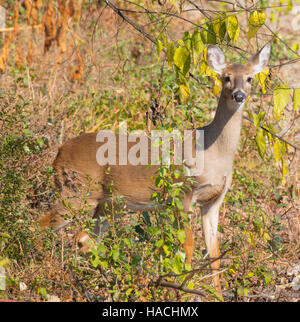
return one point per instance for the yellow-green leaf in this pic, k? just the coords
(181, 235)
(203, 67)
(184, 93)
(285, 167)
(208, 34)
(211, 35)
(176, 4)
(4, 261)
(296, 99)
(257, 118)
(266, 236)
(281, 97)
(197, 42)
(159, 243)
(187, 65)
(260, 141)
(187, 40)
(159, 48)
(233, 29)
(180, 57)
(277, 150)
(163, 39)
(256, 20)
(170, 53)
(217, 86)
(261, 78)
(219, 27)
(166, 249)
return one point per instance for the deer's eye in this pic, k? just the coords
(249, 79)
(227, 79)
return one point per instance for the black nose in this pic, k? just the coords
(239, 96)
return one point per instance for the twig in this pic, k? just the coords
(137, 27)
(179, 287)
(199, 9)
(273, 134)
(214, 274)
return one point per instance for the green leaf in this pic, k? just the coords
(127, 243)
(40, 143)
(187, 40)
(187, 65)
(104, 264)
(256, 20)
(296, 99)
(159, 243)
(179, 203)
(95, 261)
(257, 118)
(281, 97)
(43, 292)
(219, 27)
(115, 253)
(260, 142)
(159, 182)
(233, 29)
(203, 34)
(208, 34)
(181, 235)
(211, 35)
(178, 265)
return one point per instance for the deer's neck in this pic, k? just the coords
(224, 130)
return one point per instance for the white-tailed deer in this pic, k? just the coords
(76, 160)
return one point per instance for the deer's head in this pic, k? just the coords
(237, 78)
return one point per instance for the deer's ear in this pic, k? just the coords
(215, 59)
(260, 60)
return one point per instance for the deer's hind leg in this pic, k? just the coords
(75, 193)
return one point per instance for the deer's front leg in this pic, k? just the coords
(211, 196)
(210, 217)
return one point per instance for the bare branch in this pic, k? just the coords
(179, 287)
